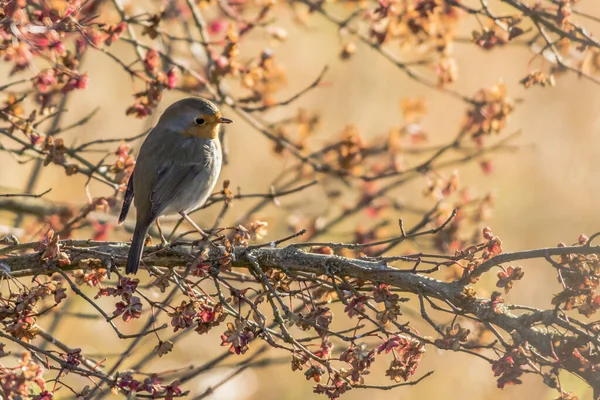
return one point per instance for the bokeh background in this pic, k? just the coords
(547, 191)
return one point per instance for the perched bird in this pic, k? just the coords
(176, 170)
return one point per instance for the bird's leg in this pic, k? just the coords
(193, 224)
(163, 240)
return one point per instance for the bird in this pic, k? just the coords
(176, 169)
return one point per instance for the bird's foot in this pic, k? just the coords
(163, 242)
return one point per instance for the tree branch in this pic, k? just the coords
(293, 260)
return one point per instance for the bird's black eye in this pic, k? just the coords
(199, 121)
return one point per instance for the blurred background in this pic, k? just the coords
(545, 192)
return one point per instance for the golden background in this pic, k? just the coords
(546, 192)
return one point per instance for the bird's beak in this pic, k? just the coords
(225, 121)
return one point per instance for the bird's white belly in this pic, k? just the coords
(192, 197)
(199, 189)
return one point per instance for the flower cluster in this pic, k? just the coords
(580, 277)
(21, 380)
(407, 355)
(152, 385)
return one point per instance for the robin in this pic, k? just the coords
(176, 170)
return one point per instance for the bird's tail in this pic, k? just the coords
(137, 247)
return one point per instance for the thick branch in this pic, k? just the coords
(292, 260)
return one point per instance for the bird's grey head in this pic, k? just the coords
(193, 116)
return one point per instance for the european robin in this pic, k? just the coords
(176, 169)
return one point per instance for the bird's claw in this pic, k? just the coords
(163, 243)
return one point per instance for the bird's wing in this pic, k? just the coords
(170, 182)
(127, 200)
